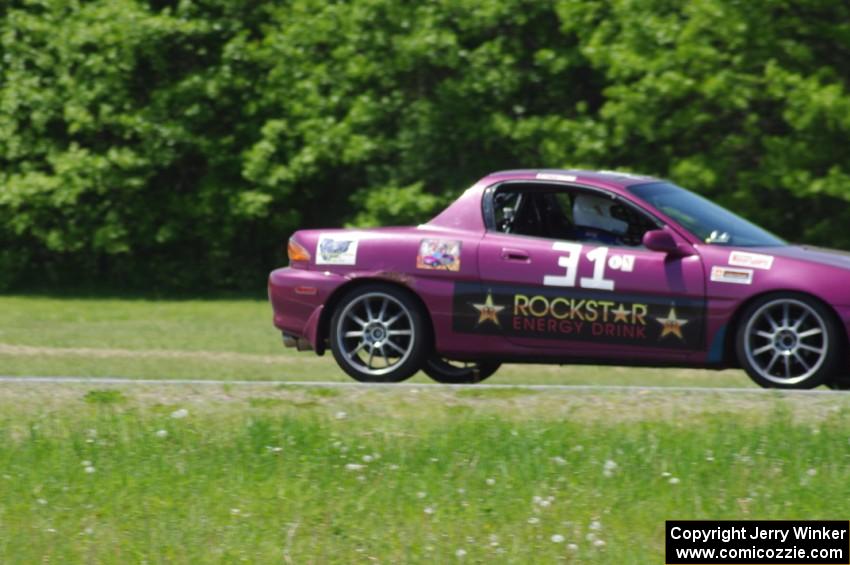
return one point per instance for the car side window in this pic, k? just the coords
(568, 214)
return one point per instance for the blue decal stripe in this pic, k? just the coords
(715, 353)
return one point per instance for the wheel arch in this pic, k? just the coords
(323, 330)
(730, 358)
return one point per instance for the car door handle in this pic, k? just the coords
(510, 254)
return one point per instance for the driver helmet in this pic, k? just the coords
(590, 211)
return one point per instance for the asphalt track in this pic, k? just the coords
(343, 384)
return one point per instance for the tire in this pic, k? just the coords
(839, 383)
(445, 372)
(787, 340)
(378, 334)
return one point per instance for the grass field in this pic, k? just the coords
(210, 474)
(222, 339)
(269, 473)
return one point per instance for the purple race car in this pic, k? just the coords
(567, 266)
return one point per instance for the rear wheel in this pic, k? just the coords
(839, 383)
(788, 341)
(378, 334)
(447, 371)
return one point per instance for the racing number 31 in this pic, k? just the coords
(600, 260)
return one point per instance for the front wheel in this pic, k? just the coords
(458, 372)
(378, 334)
(788, 341)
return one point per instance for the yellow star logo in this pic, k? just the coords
(621, 314)
(488, 311)
(671, 324)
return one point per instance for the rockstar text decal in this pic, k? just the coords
(551, 313)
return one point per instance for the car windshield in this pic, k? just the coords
(711, 223)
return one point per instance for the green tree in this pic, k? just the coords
(177, 144)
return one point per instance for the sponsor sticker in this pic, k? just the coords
(336, 250)
(733, 276)
(439, 255)
(751, 260)
(580, 315)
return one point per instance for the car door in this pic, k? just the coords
(584, 298)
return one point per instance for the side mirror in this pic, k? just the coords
(663, 241)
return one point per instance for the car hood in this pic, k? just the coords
(820, 255)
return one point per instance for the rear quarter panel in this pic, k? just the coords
(421, 259)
